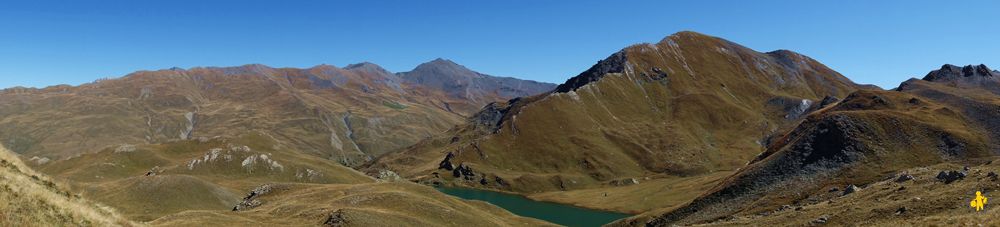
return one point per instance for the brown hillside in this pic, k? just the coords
(349, 114)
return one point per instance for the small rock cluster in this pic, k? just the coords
(125, 148)
(251, 200)
(950, 176)
(308, 174)
(387, 176)
(463, 171)
(904, 178)
(336, 219)
(624, 182)
(851, 189)
(446, 163)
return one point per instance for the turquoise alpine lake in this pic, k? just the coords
(552, 212)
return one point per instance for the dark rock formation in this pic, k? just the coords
(978, 76)
(463, 171)
(950, 176)
(827, 101)
(613, 64)
(904, 178)
(446, 163)
(952, 72)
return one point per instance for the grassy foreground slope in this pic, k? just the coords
(374, 204)
(150, 181)
(30, 199)
(924, 201)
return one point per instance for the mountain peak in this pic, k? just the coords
(368, 67)
(442, 61)
(953, 72)
(442, 64)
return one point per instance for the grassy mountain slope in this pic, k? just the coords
(924, 201)
(28, 198)
(150, 181)
(859, 141)
(349, 114)
(688, 106)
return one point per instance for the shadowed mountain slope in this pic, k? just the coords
(858, 141)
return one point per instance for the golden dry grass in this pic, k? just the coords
(30, 199)
(372, 204)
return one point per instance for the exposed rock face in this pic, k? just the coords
(970, 76)
(950, 72)
(613, 64)
(491, 117)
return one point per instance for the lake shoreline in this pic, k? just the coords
(558, 213)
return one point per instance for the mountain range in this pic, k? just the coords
(690, 130)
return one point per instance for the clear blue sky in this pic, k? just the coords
(879, 42)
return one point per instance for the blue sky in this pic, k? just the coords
(879, 42)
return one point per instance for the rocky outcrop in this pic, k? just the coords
(252, 199)
(336, 219)
(851, 189)
(387, 176)
(446, 163)
(613, 64)
(950, 176)
(949, 72)
(491, 117)
(970, 76)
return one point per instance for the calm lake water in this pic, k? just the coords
(551, 212)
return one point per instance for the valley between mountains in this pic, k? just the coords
(689, 130)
